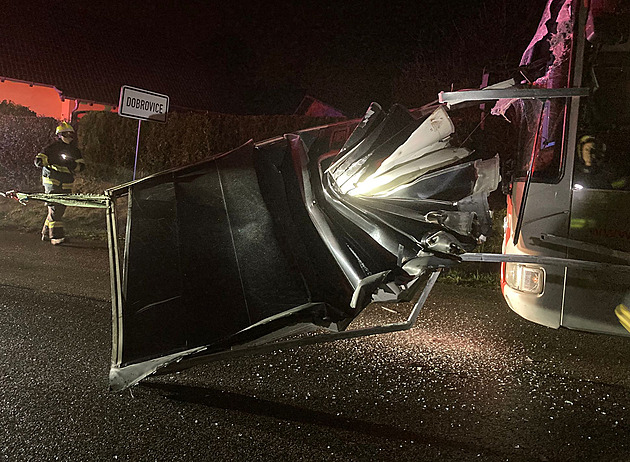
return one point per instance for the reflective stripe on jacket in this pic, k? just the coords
(58, 162)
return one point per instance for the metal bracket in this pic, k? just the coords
(580, 245)
(451, 98)
(540, 260)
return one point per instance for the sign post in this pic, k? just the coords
(140, 104)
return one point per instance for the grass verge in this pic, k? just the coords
(472, 278)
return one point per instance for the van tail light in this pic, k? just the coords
(525, 278)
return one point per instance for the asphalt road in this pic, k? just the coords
(471, 381)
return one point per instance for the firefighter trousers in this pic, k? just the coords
(53, 226)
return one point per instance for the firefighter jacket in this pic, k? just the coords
(59, 162)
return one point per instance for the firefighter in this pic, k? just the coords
(589, 170)
(623, 312)
(59, 162)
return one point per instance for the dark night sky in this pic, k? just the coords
(345, 53)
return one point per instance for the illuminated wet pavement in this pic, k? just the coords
(472, 381)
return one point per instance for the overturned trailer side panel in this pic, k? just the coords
(202, 261)
(262, 242)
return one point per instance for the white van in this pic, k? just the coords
(577, 203)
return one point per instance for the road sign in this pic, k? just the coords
(142, 104)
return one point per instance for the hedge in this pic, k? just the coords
(108, 141)
(11, 108)
(21, 138)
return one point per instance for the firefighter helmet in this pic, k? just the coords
(65, 132)
(592, 152)
(64, 127)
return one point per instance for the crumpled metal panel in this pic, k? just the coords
(275, 238)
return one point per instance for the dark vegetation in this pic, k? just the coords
(10, 108)
(21, 138)
(109, 141)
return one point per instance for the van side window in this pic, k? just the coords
(540, 131)
(603, 147)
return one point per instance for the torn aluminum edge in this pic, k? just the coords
(424, 150)
(122, 378)
(558, 48)
(563, 17)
